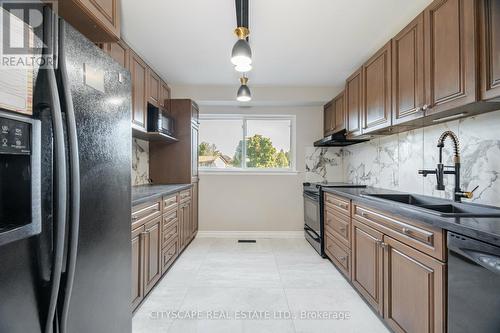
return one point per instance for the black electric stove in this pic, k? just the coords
(313, 212)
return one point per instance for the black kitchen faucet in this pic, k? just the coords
(442, 169)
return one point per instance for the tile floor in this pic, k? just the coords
(218, 285)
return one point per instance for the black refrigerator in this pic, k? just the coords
(65, 258)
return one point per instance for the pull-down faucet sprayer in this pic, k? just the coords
(442, 169)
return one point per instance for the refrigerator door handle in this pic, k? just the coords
(60, 192)
(74, 161)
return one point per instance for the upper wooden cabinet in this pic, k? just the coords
(450, 56)
(353, 102)
(119, 51)
(414, 290)
(138, 72)
(153, 88)
(98, 20)
(377, 102)
(339, 107)
(408, 98)
(328, 118)
(490, 49)
(164, 95)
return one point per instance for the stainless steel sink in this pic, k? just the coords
(436, 206)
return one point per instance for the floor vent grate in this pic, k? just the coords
(247, 241)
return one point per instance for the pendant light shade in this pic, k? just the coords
(244, 94)
(242, 53)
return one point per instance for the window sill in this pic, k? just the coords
(249, 173)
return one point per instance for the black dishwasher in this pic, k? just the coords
(473, 285)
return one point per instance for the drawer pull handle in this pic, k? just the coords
(342, 206)
(135, 218)
(407, 231)
(364, 214)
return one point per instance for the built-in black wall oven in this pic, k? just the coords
(313, 213)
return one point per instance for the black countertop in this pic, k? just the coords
(143, 193)
(486, 229)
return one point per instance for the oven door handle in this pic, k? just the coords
(314, 234)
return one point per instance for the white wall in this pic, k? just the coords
(259, 202)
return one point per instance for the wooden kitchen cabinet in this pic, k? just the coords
(119, 51)
(367, 264)
(339, 111)
(164, 95)
(137, 266)
(152, 248)
(185, 221)
(138, 72)
(195, 202)
(329, 118)
(408, 94)
(377, 93)
(153, 88)
(490, 49)
(414, 290)
(353, 102)
(450, 54)
(98, 20)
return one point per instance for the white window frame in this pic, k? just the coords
(246, 170)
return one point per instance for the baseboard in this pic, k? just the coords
(250, 234)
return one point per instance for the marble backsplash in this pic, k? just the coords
(392, 161)
(140, 162)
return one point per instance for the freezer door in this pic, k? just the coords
(100, 90)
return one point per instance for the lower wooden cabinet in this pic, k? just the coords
(152, 246)
(367, 264)
(414, 284)
(161, 229)
(137, 267)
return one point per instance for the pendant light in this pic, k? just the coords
(244, 94)
(241, 56)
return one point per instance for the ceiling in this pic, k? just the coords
(294, 42)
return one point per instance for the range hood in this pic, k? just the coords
(338, 139)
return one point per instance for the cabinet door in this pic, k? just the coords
(164, 95)
(152, 245)
(408, 73)
(194, 224)
(194, 150)
(138, 71)
(328, 118)
(367, 264)
(119, 51)
(353, 97)
(414, 297)
(189, 219)
(450, 48)
(98, 20)
(377, 102)
(490, 49)
(339, 123)
(137, 267)
(153, 88)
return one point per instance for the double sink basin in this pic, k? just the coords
(439, 207)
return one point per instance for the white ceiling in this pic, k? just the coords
(294, 42)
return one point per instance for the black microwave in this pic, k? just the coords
(159, 121)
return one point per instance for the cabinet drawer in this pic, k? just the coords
(145, 212)
(342, 204)
(424, 238)
(170, 234)
(185, 195)
(168, 255)
(338, 225)
(170, 219)
(169, 203)
(340, 255)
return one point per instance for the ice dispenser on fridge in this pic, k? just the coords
(19, 177)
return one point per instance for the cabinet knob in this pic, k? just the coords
(343, 258)
(407, 231)
(425, 107)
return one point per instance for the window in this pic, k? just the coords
(246, 143)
